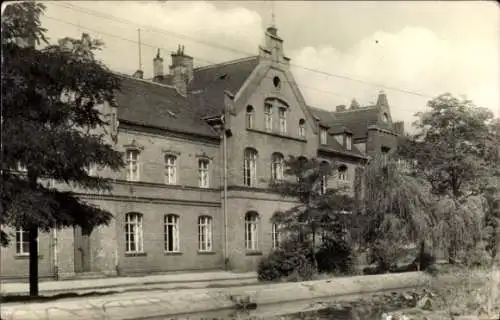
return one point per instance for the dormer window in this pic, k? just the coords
(322, 135)
(348, 142)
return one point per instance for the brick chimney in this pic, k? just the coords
(158, 67)
(340, 108)
(399, 127)
(181, 70)
(382, 100)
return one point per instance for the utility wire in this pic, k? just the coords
(197, 58)
(223, 47)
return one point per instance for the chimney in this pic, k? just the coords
(382, 100)
(340, 108)
(354, 104)
(139, 74)
(157, 67)
(181, 70)
(399, 127)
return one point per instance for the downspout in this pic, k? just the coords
(226, 225)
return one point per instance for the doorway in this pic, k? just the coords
(82, 249)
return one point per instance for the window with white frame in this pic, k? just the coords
(324, 177)
(276, 235)
(21, 167)
(203, 173)
(302, 128)
(132, 163)
(342, 173)
(268, 117)
(133, 233)
(170, 169)
(277, 166)
(249, 117)
(348, 142)
(205, 234)
(22, 242)
(282, 120)
(251, 231)
(91, 169)
(322, 135)
(250, 167)
(172, 238)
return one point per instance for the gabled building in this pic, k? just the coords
(201, 147)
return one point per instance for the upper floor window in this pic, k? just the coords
(324, 177)
(277, 166)
(276, 236)
(384, 154)
(249, 117)
(171, 233)
(268, 119)
(170, 169)
(348, 142)
(282, 120)
(132, 164)
(250, 167)
(22, 242)
(342, 173)
(277, 82)
(302, 128)
(251, 231)
(133, 233)
(203, 173)
(322, 135)
(385, 117)
(205, 234)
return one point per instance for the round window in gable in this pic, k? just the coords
(385, 118)
(277, 82)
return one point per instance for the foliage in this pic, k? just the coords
(384, 255)
(336, 256)
(292, 259)
(52, 126)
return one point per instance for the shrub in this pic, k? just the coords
(336, 256)
(292, 261)
(384, 255)
(424, 260)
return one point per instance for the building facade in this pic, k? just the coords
(201, 146)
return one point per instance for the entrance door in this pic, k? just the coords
(82, 249)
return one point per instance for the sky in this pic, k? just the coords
(412, 50)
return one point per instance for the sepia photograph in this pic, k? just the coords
(281, 160)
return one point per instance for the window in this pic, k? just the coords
(133, 233)
(203, 173)
(302, 128)
(250, 167)
(282, 118)
(91, 169)
(276, 236)
(249, 117)
(205, 234)
(170, 169)
(277, 82)
(132, 165)
(251, 230)
(268, 120)
(277, 164)
(385, 154)
(324, 177)
(385, 118)
(22, 242)
(21, 167)
(348, 142)
(171, 232)
(342, 173)
(323, 134)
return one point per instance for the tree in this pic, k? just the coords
(51, 126)
(395, 205)
(450, 151)
(319, 207)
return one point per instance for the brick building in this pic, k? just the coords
(201, 146)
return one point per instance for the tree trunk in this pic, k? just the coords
(33, 261)
(421, 255)
(495, 272)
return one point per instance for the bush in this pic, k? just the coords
(384, 255)
(424, 261)
(336, 256)
(292, 261)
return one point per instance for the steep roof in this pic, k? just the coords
(358, 120)
(213, 80)
(325, 117)
(156, 105)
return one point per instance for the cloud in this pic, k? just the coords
(412, 57)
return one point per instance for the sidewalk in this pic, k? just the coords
(163, 281)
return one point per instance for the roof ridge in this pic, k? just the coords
(217, 65)
(123, 75)
(354, 110)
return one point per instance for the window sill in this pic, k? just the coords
(26, 256)
(253, 253)
(135, 254)
(175, 253)
(277, 134)
(206, 252)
